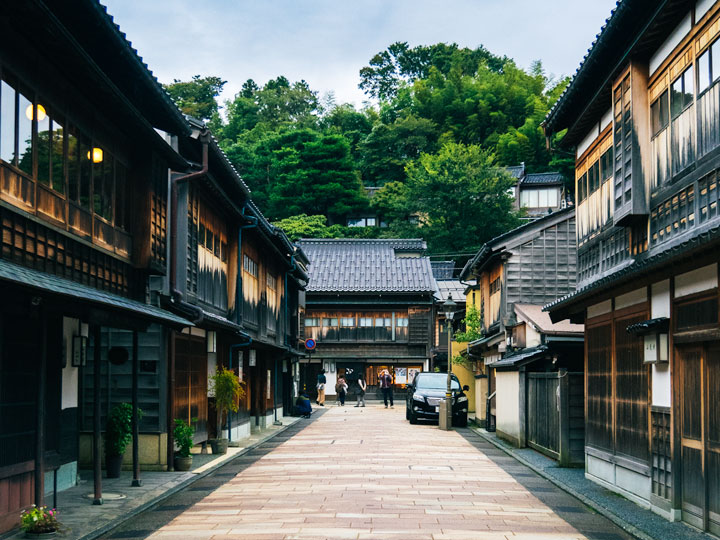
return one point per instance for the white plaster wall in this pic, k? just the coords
(606, 119)
(660, 307)
(331, 377)
(696, 281)
(599, 309)
(671, 42)
(211, 367)
(532, 336)
(630, 299)
(587, 140)
(702, 7)
(660, 300)
(508, 403)
(70, 374)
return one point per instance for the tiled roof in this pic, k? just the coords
(451, 287)
(541, 319)
(352, 265)
(546, 178)
(443, 269)
(516, 171)
(19, 275)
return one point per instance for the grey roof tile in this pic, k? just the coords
(353, 265)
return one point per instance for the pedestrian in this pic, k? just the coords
(341, 390)
(386, 387)
(320, 387)
(362, 386)
(302, 406)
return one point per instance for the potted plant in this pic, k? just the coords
(118, 434)
(228, 391)
(183, 435)
(39, 522)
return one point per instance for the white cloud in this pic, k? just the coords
(326, 42)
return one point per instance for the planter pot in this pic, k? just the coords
(113, 465)
(219, 446)
(183, 463)
(40, 535)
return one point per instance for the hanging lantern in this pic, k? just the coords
(41, 113)
(95, 155)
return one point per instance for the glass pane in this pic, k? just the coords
(24, 142)
(7, 122)
(85, 173)
(73, 169)
(676, 97)
(58, 155)
(715, 60)
(542, 198)
(44, 139)
(703, 71)
(689, 86)
(121, 212)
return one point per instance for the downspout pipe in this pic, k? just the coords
(175, 294)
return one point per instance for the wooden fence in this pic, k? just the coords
(555, 415)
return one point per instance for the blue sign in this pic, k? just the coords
(310, 344)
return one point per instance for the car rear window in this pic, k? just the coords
(435, 382)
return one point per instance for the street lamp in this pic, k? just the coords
(448, 309)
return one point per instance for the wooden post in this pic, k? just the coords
(136, 482)
(97, 466)
(171, 401)
(563, 405)
(40, 415)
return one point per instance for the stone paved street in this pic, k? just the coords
(367, 473)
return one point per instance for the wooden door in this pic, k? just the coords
(700, 436)
(190, 392)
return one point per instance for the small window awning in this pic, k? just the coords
(211, 320)
(660, 325)
(50, 284)
(520, 358)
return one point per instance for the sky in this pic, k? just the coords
(327, 42)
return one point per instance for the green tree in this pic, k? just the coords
(304, 226)
(198, 96)
(460, 198)
(400, 64)
(473, 326)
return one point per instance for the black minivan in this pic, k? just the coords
(426, 392)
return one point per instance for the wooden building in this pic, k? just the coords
(642, 115)
(538, 193)
(369, 306)
(132, 259)
(514, 275)
(83, 161)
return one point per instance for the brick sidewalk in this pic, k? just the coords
(367, 473)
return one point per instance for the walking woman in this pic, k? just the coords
(321, 381)
(362, 386)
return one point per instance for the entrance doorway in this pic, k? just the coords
(190, 392)
(699, 415)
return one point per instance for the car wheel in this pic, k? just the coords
(413, 419)
(461, 421)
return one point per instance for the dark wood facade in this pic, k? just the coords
(647, 156)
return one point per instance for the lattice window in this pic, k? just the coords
(31, 244)
(631, 391)
(622, 139)
(192, 242)
(674, 216)
(661, 455)
(599, 386)
(158, 225)
(708, 197)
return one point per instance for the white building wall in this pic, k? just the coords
(660, 307)
(507, 400)
(701, 279)
(671, 42)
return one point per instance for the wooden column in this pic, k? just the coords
(171, 401)
(97, 465)
(40, 415)
(136, 482)
(563, 405)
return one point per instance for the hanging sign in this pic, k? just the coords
(253, 358)
(310, 344)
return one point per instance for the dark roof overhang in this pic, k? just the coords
(635, 29)
(100, 37)
(658, 325)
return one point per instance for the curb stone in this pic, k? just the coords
(603, 511)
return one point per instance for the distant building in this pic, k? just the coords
(369, 306)
(538, 193)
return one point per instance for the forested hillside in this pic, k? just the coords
(443, 122)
